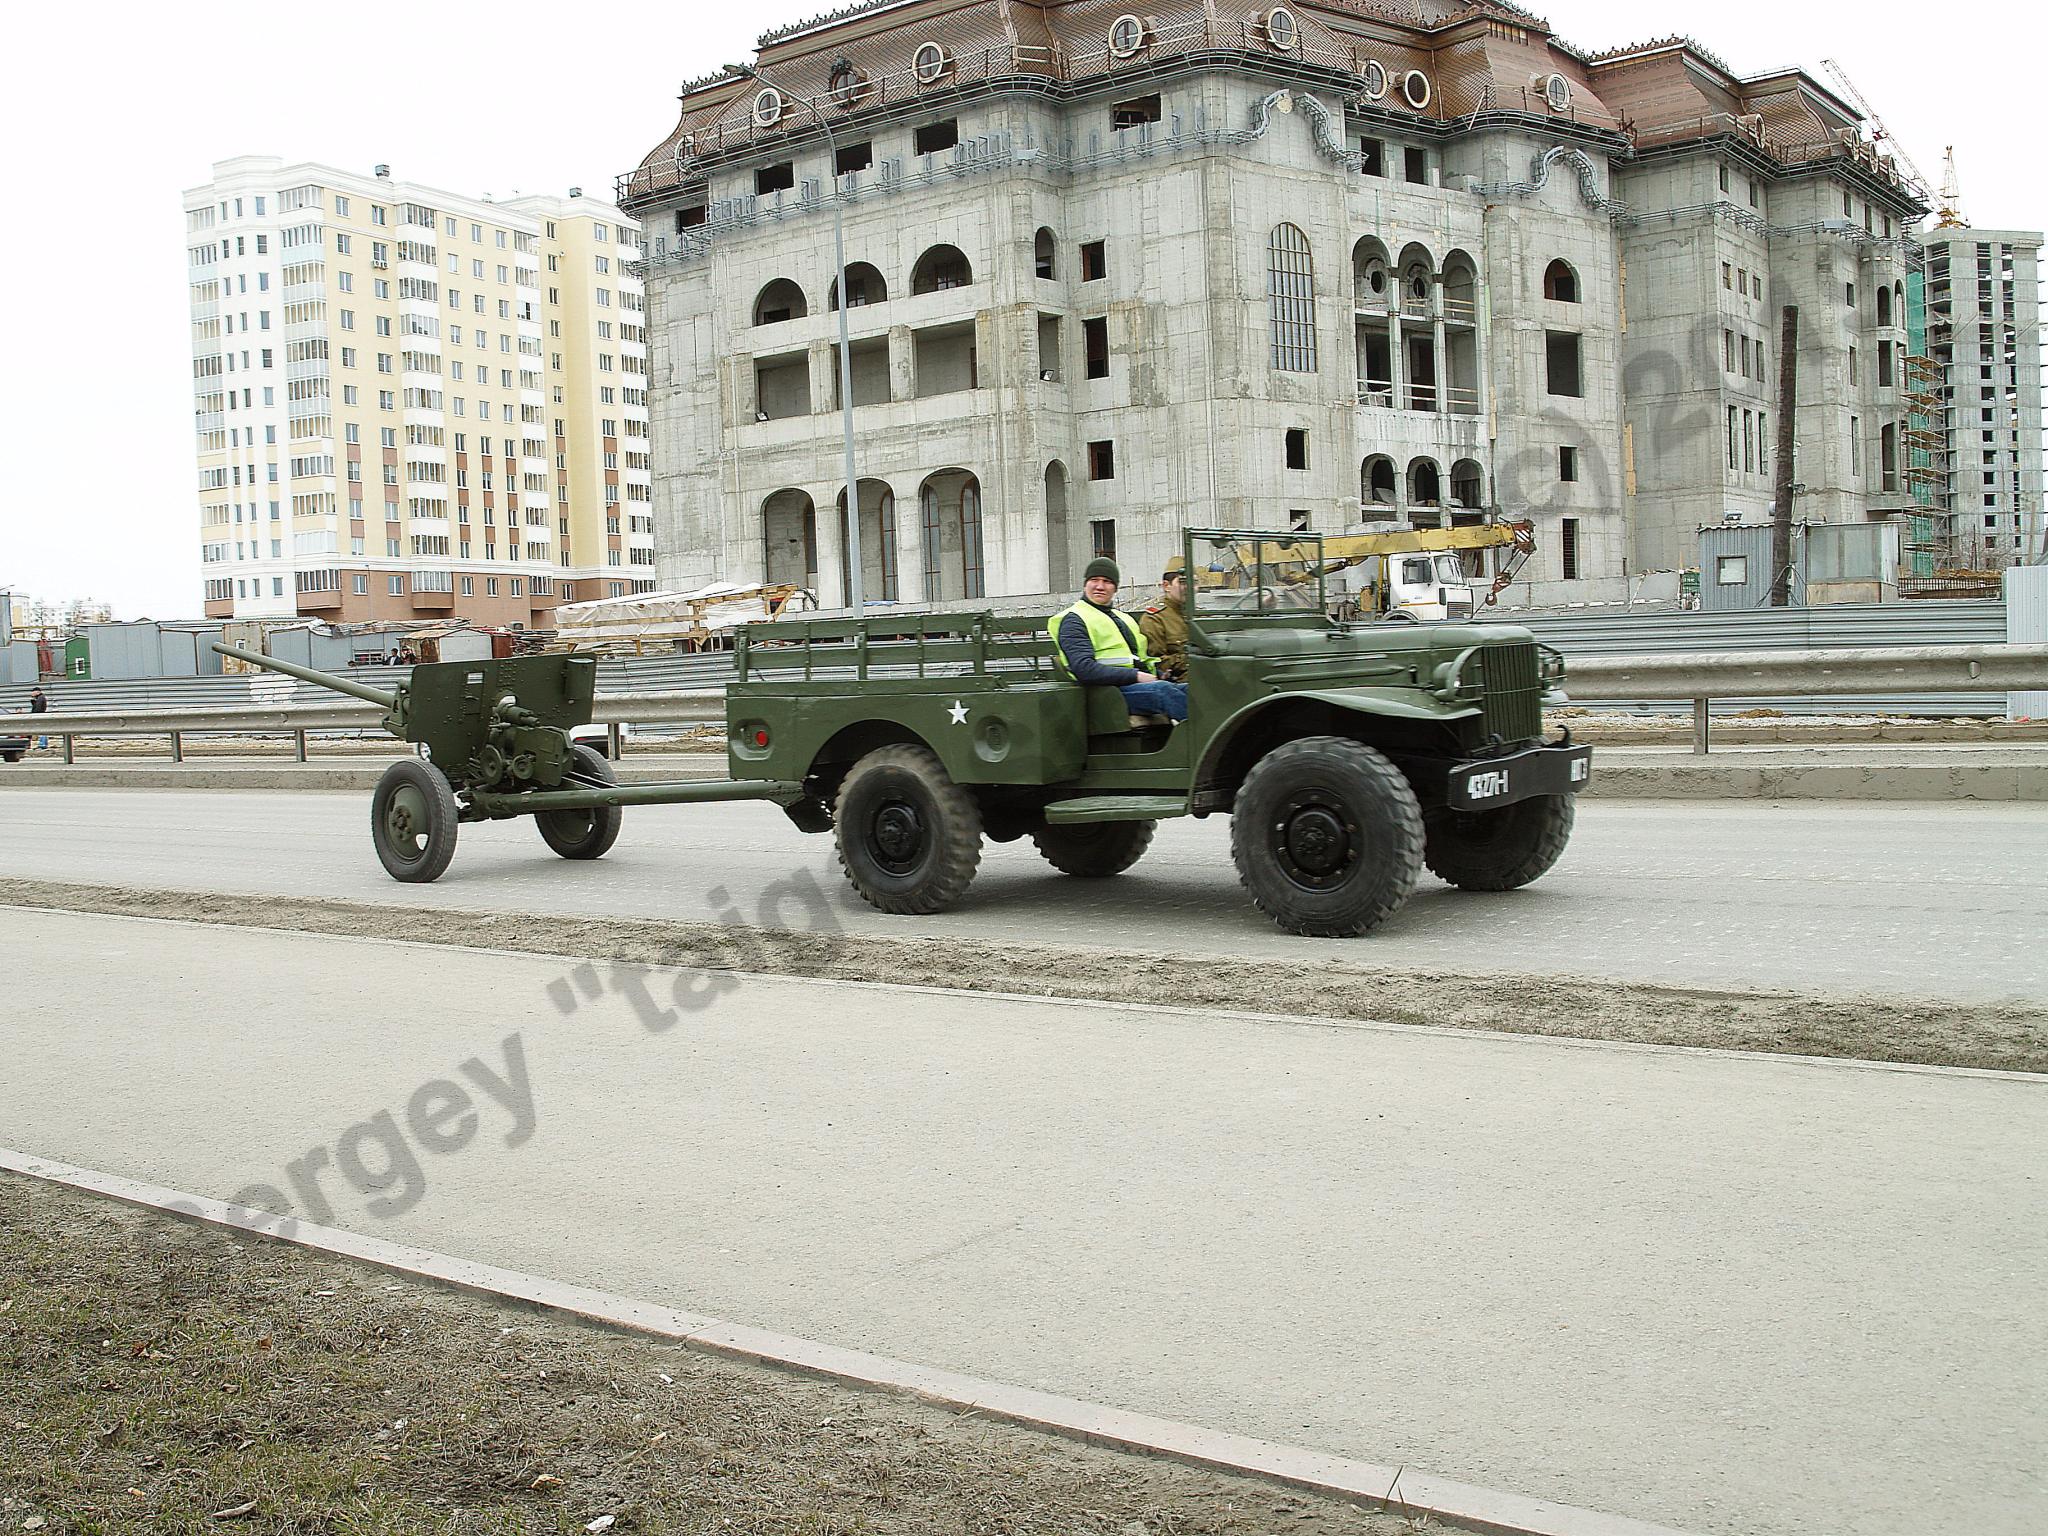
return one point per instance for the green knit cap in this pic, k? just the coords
(1102, 565)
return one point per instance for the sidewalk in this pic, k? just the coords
(1741, 1295)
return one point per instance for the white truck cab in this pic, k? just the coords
(1426, 588)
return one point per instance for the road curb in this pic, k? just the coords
(1393, 1489)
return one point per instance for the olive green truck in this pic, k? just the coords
(1349, 756)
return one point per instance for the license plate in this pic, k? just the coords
(1490, 785)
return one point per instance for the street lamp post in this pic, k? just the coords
(856, 595)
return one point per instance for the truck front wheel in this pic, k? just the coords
(909, 837)
(1095, 850)
(1498, 850)
(1327, 837)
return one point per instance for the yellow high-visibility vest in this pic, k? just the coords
(1117, 644)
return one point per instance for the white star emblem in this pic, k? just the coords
(959, 712)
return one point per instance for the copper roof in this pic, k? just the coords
(1478, 55)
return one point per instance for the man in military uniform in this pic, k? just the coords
(1165, 624)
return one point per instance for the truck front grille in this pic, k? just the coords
(1512, 708)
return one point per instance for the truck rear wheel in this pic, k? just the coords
(1498, 850)
(909, 837)
(583, 834)
(1095, 850)
(413, 820)
(1327, 837)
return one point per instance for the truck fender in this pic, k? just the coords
(1220, 756)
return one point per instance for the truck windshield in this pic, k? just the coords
(1249, 575)
(1450, 569)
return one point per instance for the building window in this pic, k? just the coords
(1102, 537)
(1568, 546)
(1102, 460)
(1561, 363)
(779, 177)
(1130, 114)
(1560, 282)
(1290, 288)
(1372, 157)
(1568, 465)
(1095, 346)
(397, 586)
(1043, 253)
(1734, 429)
(853, 157)
(933, 138)
(1415, 165)
(1297, 448)
(1731, 570)
(1094, 262)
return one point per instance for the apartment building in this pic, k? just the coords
(1320, 265)
(412, 404)
(1984, 337)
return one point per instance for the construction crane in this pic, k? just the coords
(1948, 213)
(1879, 134)
(1410, 573)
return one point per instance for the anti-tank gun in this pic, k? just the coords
(494, 740)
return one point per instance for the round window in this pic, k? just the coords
(848, 84)
(1415, 89)
(1557, 93)
(1375, 77)
(931, 63)
(768, 107)
(1126, 36)
(1281, 29)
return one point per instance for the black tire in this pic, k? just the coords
(12, 757)
(413, 820)
(1095, 850)
(583, 834)
(1498, 850)
(909, 837)
(1327, 837)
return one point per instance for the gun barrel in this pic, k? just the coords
(346, 685)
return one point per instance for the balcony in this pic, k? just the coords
(319, 602)
(432, 602)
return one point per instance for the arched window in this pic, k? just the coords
(1884, 305)
(864, 285)
(1290, 289)
(780, 300)
(943, 266)
(1561, 283)
(1044, 255)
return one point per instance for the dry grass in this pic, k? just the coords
(156, 1377)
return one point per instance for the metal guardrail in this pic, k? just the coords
(297, 720)
(1699, 677)
(1791, 674)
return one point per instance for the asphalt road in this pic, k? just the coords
(1732, 1294)
(1924, 900)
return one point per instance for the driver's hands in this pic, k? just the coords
(1146, 677)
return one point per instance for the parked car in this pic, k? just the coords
(13, 748)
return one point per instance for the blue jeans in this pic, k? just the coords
(1168, 699)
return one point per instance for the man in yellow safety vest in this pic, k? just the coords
(1099, 647)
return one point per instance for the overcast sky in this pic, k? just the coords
(113, 113)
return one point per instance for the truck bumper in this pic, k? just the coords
(1498, 781)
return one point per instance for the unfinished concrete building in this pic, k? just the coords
(1317, 265)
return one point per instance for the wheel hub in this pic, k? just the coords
(1314, 842)
(406, 817)
(898, 836)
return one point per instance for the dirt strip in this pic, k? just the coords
(1931, 1031)
(161, 1379)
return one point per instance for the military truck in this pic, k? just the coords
(1349, 756)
